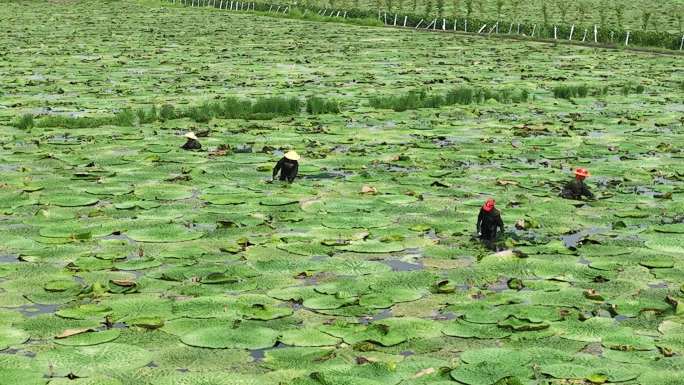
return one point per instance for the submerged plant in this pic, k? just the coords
(316, 105)
(24, 122)
(571, 91)
(123, 118)
(167, 112)
(148, 115)
(462, 95)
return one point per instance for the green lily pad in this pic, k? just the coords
(90, 338)
(241, 337)
(164, 234)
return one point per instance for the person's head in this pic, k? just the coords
(292, 155)
(581, 173)
(489, 205)
(191, 135)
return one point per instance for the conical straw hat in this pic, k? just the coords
(191, 135)
(292, 155)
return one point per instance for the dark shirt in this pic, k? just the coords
(288, 169)
(576, 189)
(192, 144)
(488, 222)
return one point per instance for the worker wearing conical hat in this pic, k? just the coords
(288, 166)
(489, 221)
(576, 189)
(192, 143)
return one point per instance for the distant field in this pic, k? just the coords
(665, 15)
(126, 261)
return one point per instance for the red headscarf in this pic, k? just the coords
(489, 205)
(581, 173)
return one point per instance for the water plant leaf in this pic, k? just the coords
(241, 337)
(164, 234)
(89, 338)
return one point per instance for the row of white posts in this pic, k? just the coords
(239, 6)
(222, 4)
(495, 29)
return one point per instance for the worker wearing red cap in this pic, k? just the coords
(576, 189)
(488, 221)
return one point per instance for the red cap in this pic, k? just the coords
(581, 173)
(489, 205)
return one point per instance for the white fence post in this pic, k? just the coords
(419, 23)
(405, 20)
(681, 45)
(572, 31)
(555, 32)
(455, 23)
(595, 34)
(586, 32)
(627, 39)
(443, 24)
(482, 28)
(534, 28)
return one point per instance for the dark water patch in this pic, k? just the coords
(9, 259)
(119, 325)
(621, 318)
(431, 234)
(445, 316)
(258, 354)
(584, 261)
(406, 353)
(34, 310)
(499, 285)
(294, 305)
(398, 265)
(659, 285)
(119, 237)
(645, 191)
(414, 251)
(329, 175)
(595, 349)
(20, 352)
(386, 313)
(340, 149)
(662, 180)
(182, 370)
(573, 240)
(151, 364)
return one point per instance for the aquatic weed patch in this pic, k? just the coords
(126, 260)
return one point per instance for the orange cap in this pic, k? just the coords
(581, 172)
(489, 205)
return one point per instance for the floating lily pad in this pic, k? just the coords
(241, 337)
(90, 338)
(164, 234)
